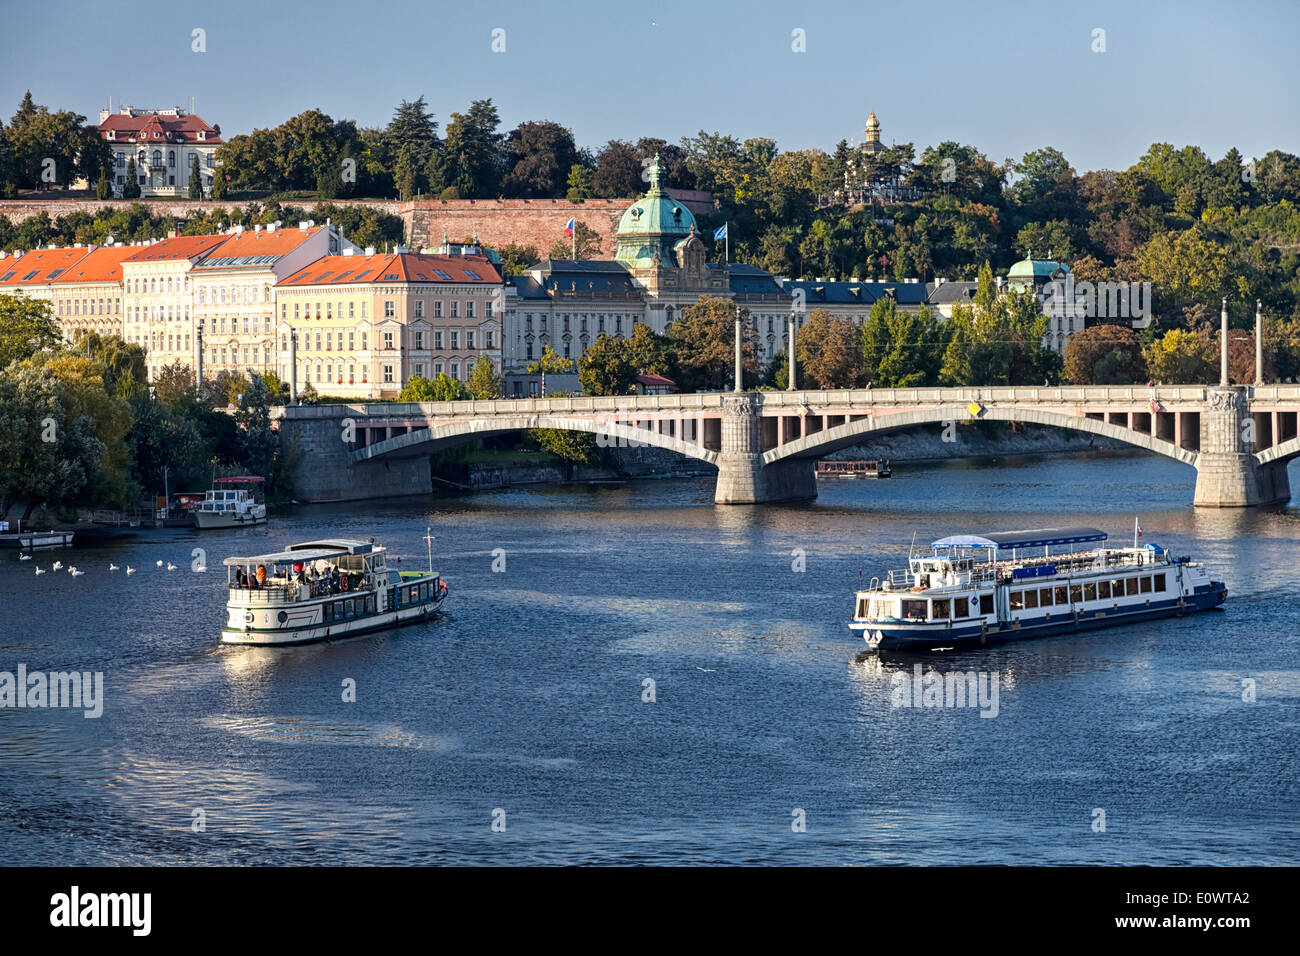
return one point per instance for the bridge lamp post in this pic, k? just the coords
(198, 365)
(790, 385)
(1259, 343)
(1223, 345)
(293, 362)
(737, 387)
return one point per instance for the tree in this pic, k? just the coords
(131, 188)
(827, 352)
(412, 127)
(1184, 269)
(585, 244)
(1181, 357)
(27, 326)
(474, 151)
(485, 382)
(172, 381)
(103, 188)
(1105, 355)
(258, 440)
(580, 187)
(444, 388)
(606, 367)
(618, 171)
(702, 339)
(539, 158)
(196, 178)
(550, 363)
(900, 349)
(515, 258)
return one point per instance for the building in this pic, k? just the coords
(871, 144)
(362, 326)
(163, 143)
(32, 274)
(157, 299)
(87, 295)
(233, 292)
(1041, 276)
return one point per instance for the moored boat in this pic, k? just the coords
(232, 503)
(323, 590)
(1013, 585)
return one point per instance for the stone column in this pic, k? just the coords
(1227, 473)
(743, 479)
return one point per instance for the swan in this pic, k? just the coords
(24, 557)
(76, 573)
(130, 570)
(170, 566)
(112, 566)
(40, 570)
(160, 564)
(56, 565)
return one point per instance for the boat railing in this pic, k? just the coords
(290, 593)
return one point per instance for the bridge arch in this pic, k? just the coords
(822, 443)
(426, 441)
(1282, 452)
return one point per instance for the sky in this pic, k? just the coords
(1006, 77)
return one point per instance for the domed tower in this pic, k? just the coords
(652, 226)
(871, 136)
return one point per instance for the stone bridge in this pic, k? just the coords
(764, 444)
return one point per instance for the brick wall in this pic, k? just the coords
(526, 222)
(17, 210)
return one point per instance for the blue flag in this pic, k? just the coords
(720, 232)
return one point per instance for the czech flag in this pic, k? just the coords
(569, 227)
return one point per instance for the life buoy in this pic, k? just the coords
(261, 574)
(343, 583)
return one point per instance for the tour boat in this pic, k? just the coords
(1014, 585)
(853, 469)
(230, 506)
(323, 590)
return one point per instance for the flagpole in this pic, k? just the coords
(1135, 532)
(726, 238)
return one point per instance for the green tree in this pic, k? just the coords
(196, 178)
(550, 363)
(485, 382)
(444, 388)
(827, 352)
(585, 239)
(131, 188)
(1181, 357)
(475, 158)
(539, 158)
(606, 367)
(580, 187)
(702, 338)
(1105, 355)
(27, 326)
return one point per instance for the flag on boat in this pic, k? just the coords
(1137, 528)
(720, 232)
(569, 227)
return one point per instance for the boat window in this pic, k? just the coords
(1103, 590)
(1062, 596)
(1076, 593)
(986, 603)
(1017, 600)
(862, 608)
(1160, 582)
(1131, 585)
(1117, 587)
(370, 605)
(1090, 591)
(939, 610)
(1031, 599)
(913, 610)
(1045, 597)
(1146, 585)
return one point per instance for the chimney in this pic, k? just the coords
(370, 250)
(348, 251)
(238, 229)
(257, 227)
(400, 250)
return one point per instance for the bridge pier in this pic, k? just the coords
(743, 479)
(1228, 475)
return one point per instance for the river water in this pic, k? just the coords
(772, 736)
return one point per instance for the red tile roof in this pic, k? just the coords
(102, 265)
(181, 247)
(396, 267)
(152, 128)
(254, 244)
(39, 266)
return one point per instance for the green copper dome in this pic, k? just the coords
(653, 224)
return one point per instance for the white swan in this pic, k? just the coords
(160, 564)
(56, 565)
(76, 573)
(39, 570)
(112, 566)
(24, 557)
(130, 570)
(170, 566)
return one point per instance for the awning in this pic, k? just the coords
(1007, 540)
(286, 557)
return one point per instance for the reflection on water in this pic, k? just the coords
(530, 694)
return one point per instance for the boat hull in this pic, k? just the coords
(334, 631)
(212, 520)
(931, 637)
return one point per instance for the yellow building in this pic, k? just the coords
(87, 296)
(367, 324)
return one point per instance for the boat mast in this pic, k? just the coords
(428, 538)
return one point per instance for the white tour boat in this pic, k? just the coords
(229, 506)
(323, 590)
(1011, 586)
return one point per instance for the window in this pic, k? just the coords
(986, 603)
(419, 308)
(1031, 599)
(455, 338)
(913, 610)
(1131, 586)
(455, 309)
(1090, 591)
(469, 338)
(1062, 596)
(488, 337)
(1017, 600)
(437, 338)
(437, 309)
(455, 370)
(390, 309)
(940, 610)
(1146, 585)
(469, 309)
(419, 341)
(1076, 593)
(1103, 590)
(1160, 582)
(1117, 587)
(388, 340)
(388, 373)
(419, 370)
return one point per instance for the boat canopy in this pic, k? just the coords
(1007, 540)
(239, 480)
(307, 551)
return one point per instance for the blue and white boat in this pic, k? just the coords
(1014, 585)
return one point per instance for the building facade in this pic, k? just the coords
(87, 296)
(163, 143)
(362, 326)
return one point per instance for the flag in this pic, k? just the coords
(720, 232)
(569, 227)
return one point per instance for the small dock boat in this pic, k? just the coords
(36, 540)
(232, 503)
(1013, 585)
(323, 590)
(853, 469)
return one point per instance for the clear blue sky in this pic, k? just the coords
(1005, 77)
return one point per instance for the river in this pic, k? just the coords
(772, 736)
